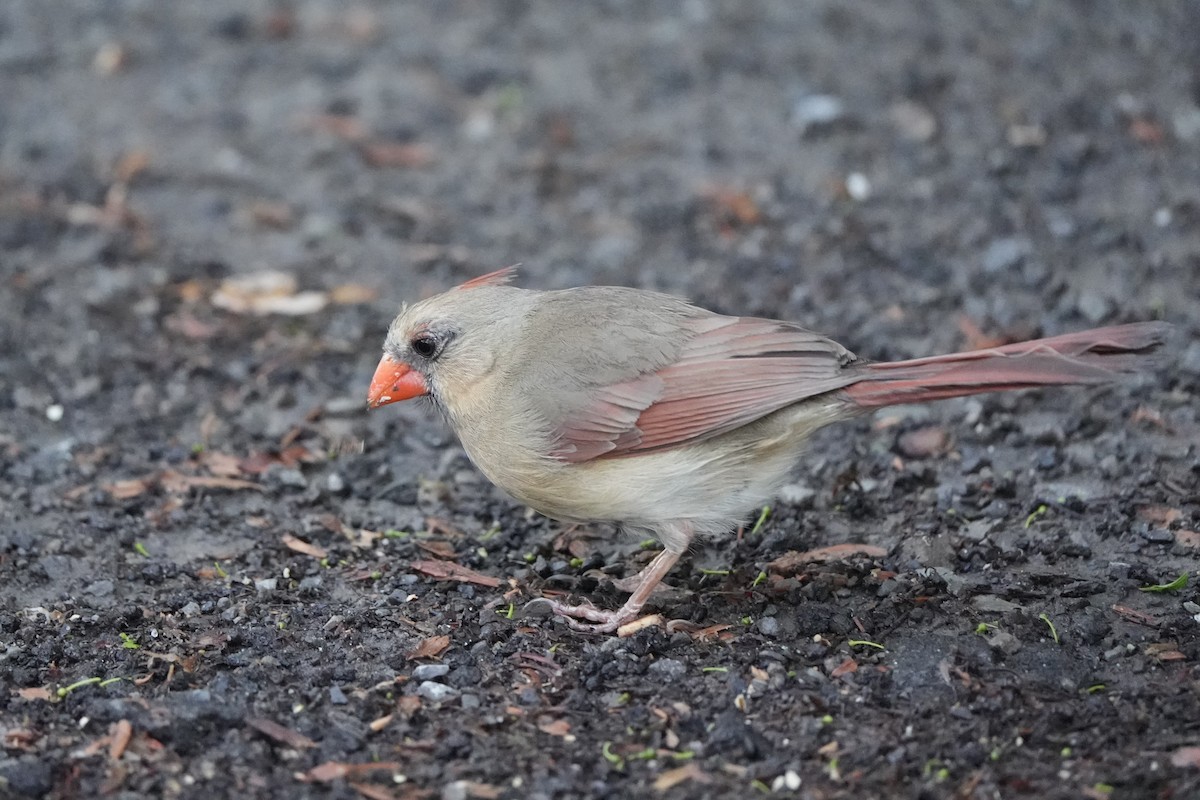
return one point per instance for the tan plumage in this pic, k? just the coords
(620, 405)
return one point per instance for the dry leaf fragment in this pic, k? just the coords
(349, 294)
(119, 734)
(1189, 539)
(640, 624)
(1137, 617)
(440, 549)
(793, 561)
(223, 465)
(557, 727)
(1160, 515)
(177, 483)
(301, 546)
(127, 489)
(333, 770)
(396, 154)
(448, 570)
(673, 777)
(847, 667)
(276, 732)
(372, 792)
(34, 693)
(1186, 757)
(431, 647)
(267, 292)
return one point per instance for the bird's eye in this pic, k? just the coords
(424, 346)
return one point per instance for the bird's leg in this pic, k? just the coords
(608, 621)
(645, 582)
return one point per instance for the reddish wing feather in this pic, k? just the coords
(732, 372)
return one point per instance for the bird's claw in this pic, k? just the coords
(584, 617)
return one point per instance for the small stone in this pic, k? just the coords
(54, 412)
(669, 669)
(291, 477)
(335, 483)
(1005, 254)
(428, 672)
(1004, 641)
(191, 609)
(914, 121)
(336, 696)
(1186, 123)
(1158, 536)
(815, 111)
(101, 588)
(1093, 305)
(858, 186)
(769, 626)
(798, 494)
(266, 584)
(436, 692)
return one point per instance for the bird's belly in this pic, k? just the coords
(711, 484)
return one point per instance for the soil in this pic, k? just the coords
(221, 577)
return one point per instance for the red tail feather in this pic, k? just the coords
(1086, 357)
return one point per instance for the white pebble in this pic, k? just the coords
(857, 186)
(54, 413)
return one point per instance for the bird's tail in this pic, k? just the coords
(1097, 356)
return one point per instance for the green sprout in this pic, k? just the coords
(759, 579)
(66, 690)
(141, 550)
(611, 757)
(1037, 512)
(864, 643)
(1174, 585)
(1044, 617)
(762, 518)
(128, 641)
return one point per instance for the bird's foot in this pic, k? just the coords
(585, 616)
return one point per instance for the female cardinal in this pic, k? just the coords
(627, 406)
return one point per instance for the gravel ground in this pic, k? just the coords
(220, 577)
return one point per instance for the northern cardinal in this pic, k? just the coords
(637, 408)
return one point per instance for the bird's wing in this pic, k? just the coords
(728, 372)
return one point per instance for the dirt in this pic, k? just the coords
(221, 577)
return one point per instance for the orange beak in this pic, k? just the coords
(394, 381)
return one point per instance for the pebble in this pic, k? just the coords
(914, 121)
(27, 776)
(335, 483)
(798, 494)
(1158, 536)
(266, 584)
(191, 609)
(101, 588)
(669, 668)
(1094, 306)
(436, 692)
(337, 696)
(769, 626)
(1006, 253)
(291, 477)
(427, 672)
(813, 111)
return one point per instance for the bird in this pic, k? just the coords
(608, 404)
